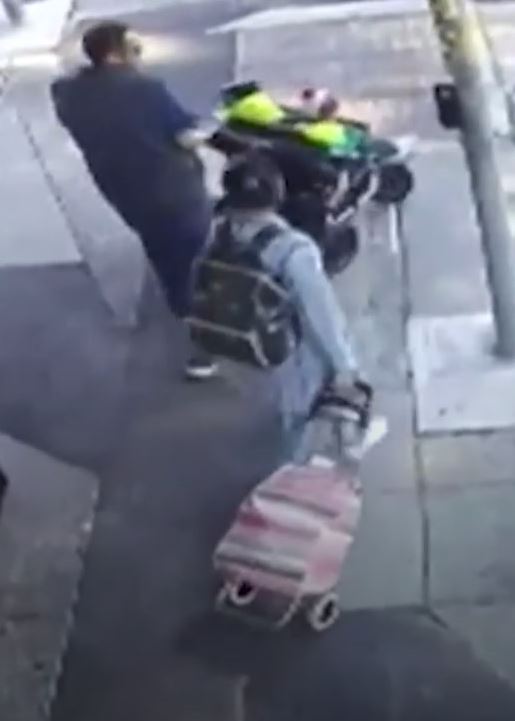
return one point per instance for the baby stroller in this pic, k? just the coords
(284, 552)
(347, 145)
(324, 189)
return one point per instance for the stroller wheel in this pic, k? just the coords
(241, 594)
(323, 612)
(396, 182)
(340, 247)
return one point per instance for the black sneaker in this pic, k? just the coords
(201, 368)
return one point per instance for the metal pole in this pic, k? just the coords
(14, 11)
(465, 51)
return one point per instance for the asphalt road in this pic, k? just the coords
(145, 645)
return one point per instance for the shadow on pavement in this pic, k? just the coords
(62, 364)
(373, 666)
(189, 456)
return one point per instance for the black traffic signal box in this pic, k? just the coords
(448, 106)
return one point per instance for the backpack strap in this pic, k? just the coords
(222, 231)
(265, 236)
(258, 243)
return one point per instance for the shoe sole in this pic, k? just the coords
(201, 374)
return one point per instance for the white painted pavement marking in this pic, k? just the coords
(294, 15)
(394, 229)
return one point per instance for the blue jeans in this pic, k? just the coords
(172, 243)
(294, 387)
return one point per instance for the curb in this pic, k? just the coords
(303, 15)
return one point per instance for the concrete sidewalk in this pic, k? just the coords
(437, 530)
(41, 30)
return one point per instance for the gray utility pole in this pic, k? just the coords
(14, 10)
(465, 51)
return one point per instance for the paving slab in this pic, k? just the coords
(468, 459)
(390, 466)
(372, 296)
(460, 384)
(445, 267)
(471, 543)
(37, 231)
(44, 527)
(490, 630)
(384, 568)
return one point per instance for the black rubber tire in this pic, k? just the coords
(396, 182)
(340, 248)
(323, 612)
(242, 594)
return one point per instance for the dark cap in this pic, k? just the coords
(253, 182)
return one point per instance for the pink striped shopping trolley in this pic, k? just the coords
(284, 552)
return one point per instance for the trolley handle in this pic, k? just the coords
(356, 398)
(360, 401)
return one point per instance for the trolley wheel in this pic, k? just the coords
(241, 594)
(396, 182)
(323, 612)
(236, 595)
